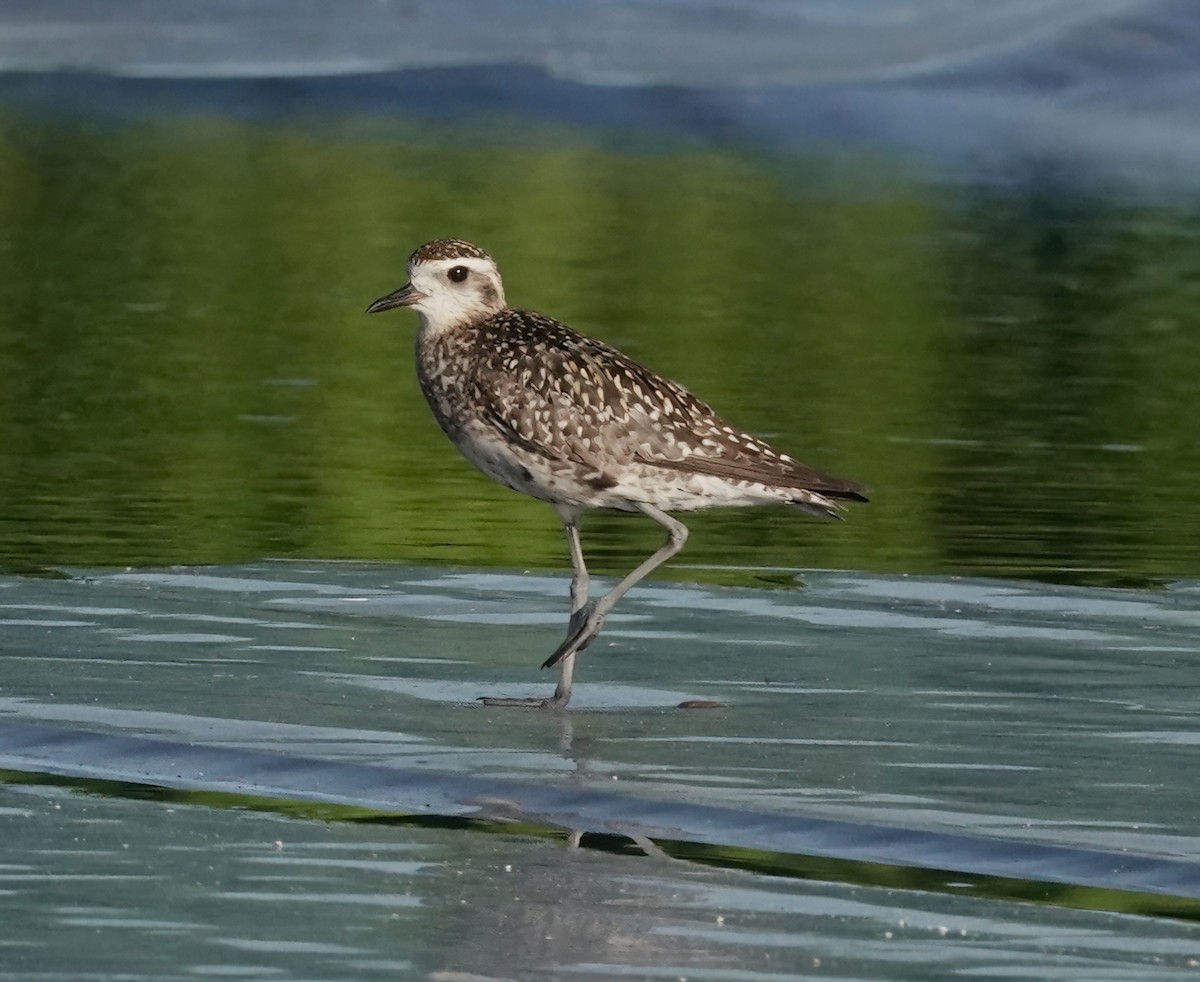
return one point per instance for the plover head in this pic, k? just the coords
(450, 282)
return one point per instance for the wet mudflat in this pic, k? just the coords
(965, 724)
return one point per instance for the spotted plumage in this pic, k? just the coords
(447, 249)
(574, 422)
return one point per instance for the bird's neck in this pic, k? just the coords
(466, 322)
(455, 339)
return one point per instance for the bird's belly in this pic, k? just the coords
(558, 482)
(568, 482)
(672, 490)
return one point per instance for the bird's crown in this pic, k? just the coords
(446, 249)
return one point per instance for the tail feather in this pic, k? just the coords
(822, 503)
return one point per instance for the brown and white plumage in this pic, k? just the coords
(574, 422)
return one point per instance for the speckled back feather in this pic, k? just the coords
(569, 397)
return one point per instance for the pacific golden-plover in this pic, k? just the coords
(575, 423)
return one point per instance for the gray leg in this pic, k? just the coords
(579, 574)
(579, 611)
(589, 624)
(587, 619)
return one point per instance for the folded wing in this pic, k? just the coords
(570, 398)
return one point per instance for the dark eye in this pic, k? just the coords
(458, 273)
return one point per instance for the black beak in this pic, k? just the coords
(406, 296)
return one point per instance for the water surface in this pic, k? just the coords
(188, 375)
(906, 777)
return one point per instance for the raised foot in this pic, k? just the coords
(579, 636)
(552, 703)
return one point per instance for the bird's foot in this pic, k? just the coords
(579, 618)
(581, 632)
(554, 702)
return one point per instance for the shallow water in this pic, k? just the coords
(937, 693)
(205, 891)
(279, 767)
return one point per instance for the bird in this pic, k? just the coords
(572, 421)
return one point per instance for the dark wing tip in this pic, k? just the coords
(851, 491)
(771, 471)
